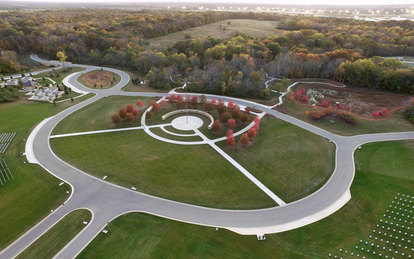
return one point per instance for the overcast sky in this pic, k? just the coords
(240, 2)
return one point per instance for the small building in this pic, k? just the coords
(26, 79)
(13, 82)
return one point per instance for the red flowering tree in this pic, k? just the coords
(221, 108)
(375, 114)
(213, 101)
(230, 104)
(139, 104)
(236, 113)
(225, 117)
(230, 142)
(179, 98)
(172, 98)
(129, 107)
(194, 101)
(208, 106)
(340, 106)
(305, 99)
(252, 133)
(217, 127)
(232, 123)
(245, 118)
(229, 133)
(135, 112)
(244, 140)
(116, 119)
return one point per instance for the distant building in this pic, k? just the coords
(13, 82)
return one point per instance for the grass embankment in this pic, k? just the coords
(100, 79)
(50, 243)
(378, 179)
(221, 30)
(34, 190)
(396, 122)
(192, 174)
(290, 161)
(97, 116)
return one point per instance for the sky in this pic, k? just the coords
(240, 2)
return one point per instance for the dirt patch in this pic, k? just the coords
(361, 102)
(98, 79)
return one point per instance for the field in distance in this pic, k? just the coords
(253, 28)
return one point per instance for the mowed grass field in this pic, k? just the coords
(97, 116)
(288, 160)
(50, 243)
(146, 236)
(191, 174)
(253, 28)
(33, 192)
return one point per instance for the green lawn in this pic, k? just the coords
(33, 192)
(161, 133)
(396, 122)
(146, 236)
(290, 161)
(97, 116)
(192, 174)
(50, 243)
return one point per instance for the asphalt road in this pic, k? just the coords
(108, 201)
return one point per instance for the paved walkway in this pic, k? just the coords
(107, 201)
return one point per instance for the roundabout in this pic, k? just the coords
(108, 201)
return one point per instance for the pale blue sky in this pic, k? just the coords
(238, 2)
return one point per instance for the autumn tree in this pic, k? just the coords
(135, 112)
(130, 118)
(61, 56)
(224, 117)
(129, 107)
(216, 127)
(172, 98)
(149, 115)
(122, 113)
(252, 133)
(235, 112)
(139, 104)
(116, 119)
(230, 142)
(194, 101)
(208, 106)
(229, 133)
(244, 140)
(232, 123)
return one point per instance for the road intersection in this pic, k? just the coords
(107, 201)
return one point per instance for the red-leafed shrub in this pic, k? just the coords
(229, 133)
(208, 106)
(194, 101)
(339, 106)
(213, 101)
(172, 98)
(116, 119)
(230, 142)
(374, 114)
(180, 104)
(232, 123)
(305, 99)
(139, 104)
(235, 112)
(135, 112)
(221, 108)
(122, 113)
(130, 118)
(224, 117)
(156, 107)
(217, 127)
(149, 115)
(129, 107)
(252, 133)
(230, 104)
(179, 98)
(244, 140)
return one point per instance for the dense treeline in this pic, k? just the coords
(311, 47)
(385, 38)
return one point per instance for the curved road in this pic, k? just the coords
(108, 201)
